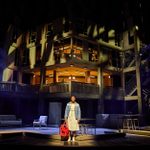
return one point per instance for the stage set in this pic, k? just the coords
(105, 67)
(48, 137)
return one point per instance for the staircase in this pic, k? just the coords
(145, 71)
(146, 97)
(131, 86)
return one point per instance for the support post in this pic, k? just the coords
(137, 62)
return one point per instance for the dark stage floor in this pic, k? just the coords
(49, 138)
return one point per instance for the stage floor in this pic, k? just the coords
(52, 130)
(49, 137)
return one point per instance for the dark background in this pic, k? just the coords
(27, 14)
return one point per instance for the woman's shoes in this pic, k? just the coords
(69, 139)
(73, 139)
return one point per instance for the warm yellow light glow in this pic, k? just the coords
(71, 65)
(101, 30)
(32, 53)
(62, 58)
(95, 31)
(43, 39)
(19, 40)
(111, 33)
(8, 73)
(43, 47)
(112, 42)
(51, 60)
(11, 50)
(103, 57)
(66, 74)
(88, 29)
(136, 27)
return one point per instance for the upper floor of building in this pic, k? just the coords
(65, 51)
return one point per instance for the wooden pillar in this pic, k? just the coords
(122, 73)
(42, 77)
(137, 62)
(100, 83)
(22, 49)
(123, 79)
(71, 47)
(85, 53)
(19, 76)
(54, 76)
(87, 77)
(71, 43)
(33, 79)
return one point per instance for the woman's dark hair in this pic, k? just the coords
(72, 96)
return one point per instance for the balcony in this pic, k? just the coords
(62, 90)
(16, 89)
(81, 90)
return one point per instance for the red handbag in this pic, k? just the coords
(64, 132)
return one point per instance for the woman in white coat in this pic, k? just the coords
(72, 117)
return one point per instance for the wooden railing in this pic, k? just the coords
(16, 87)
(85, 88)
(55, 89)
(76, 87)
(8, 86)
(82, 90)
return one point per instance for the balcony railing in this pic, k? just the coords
(56, 88)
(77, 88)
(16, 87)
(84, 90)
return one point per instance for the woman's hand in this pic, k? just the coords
(66, 121)
(78, 121)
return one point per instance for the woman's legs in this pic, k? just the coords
(70, 136)
(74, 135)
(69, 139)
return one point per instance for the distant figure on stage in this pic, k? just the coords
(72, 117)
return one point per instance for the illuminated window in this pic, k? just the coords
(93, 52)
(77, 48)
(93, 55)
(62, 49)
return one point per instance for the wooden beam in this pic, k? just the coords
(112, 68)
(109, 45)
(101, 43)
(137, 62)
(129, 69)
(129, 47)
(128, 98)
